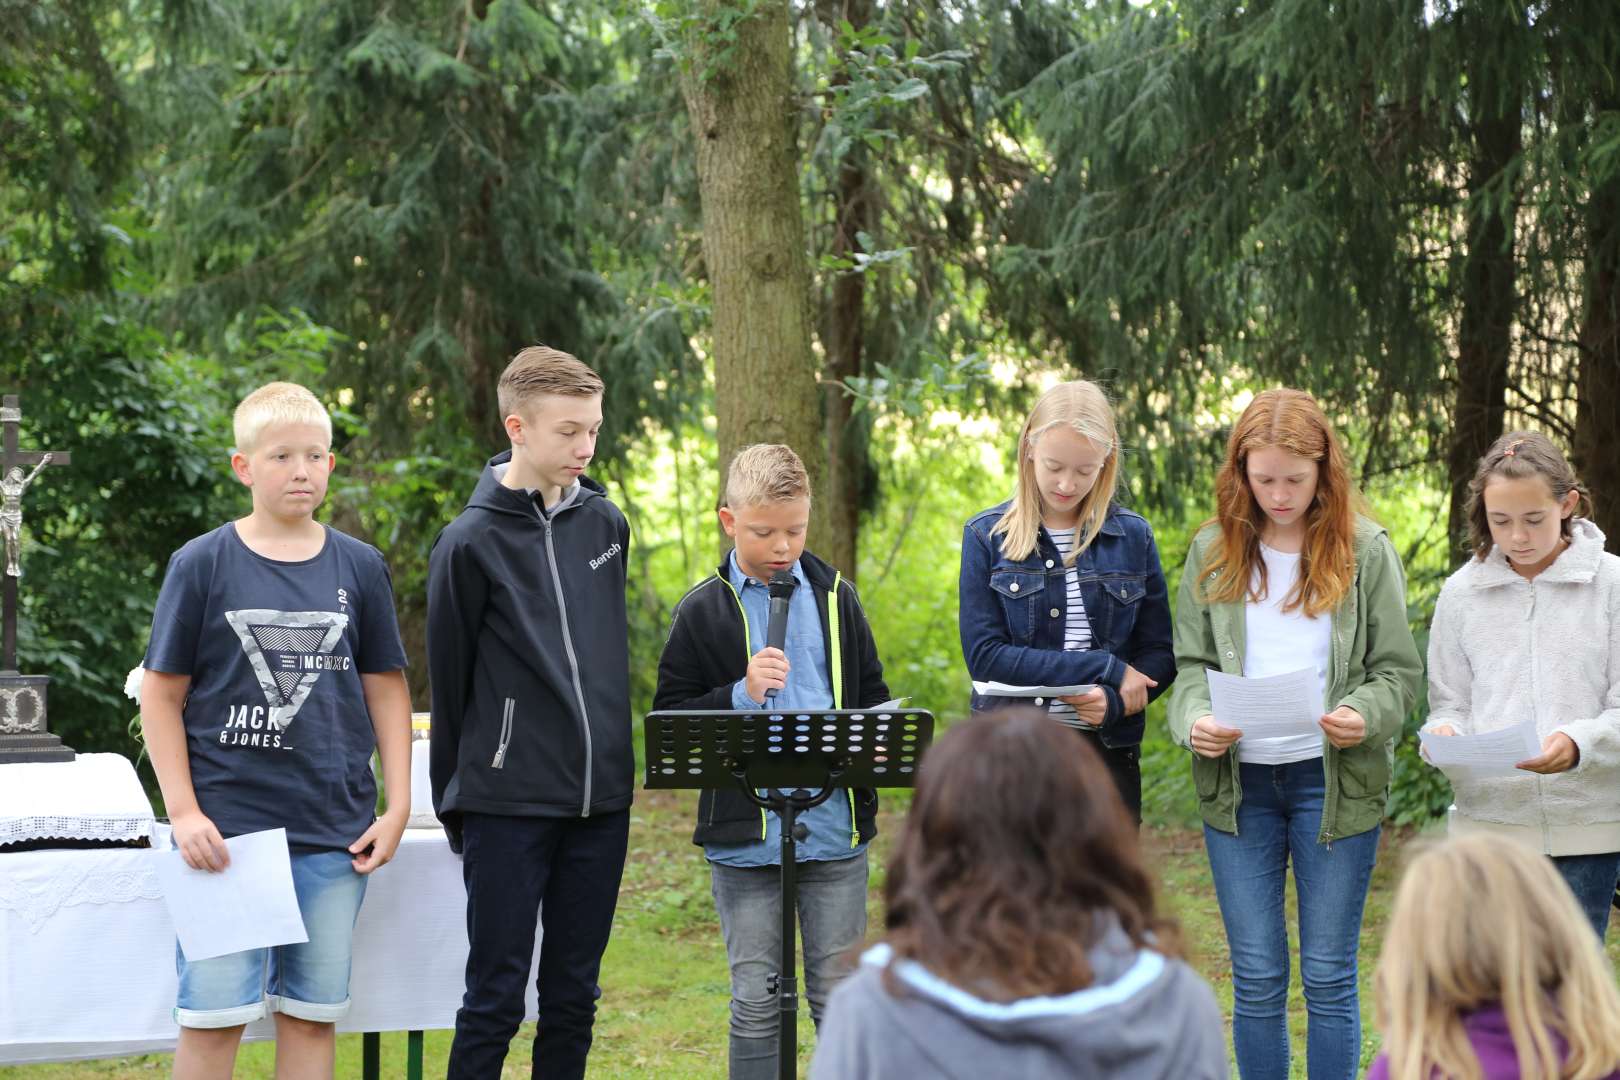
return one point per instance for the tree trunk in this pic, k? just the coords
(744, 123)
(1597, 408)
(1484, 338)
(843, 333)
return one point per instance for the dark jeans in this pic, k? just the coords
(1278, 822)
(1592, 879)
(565, 871)
(1125, 766)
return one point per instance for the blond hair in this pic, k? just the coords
(1481, 921)
(277, 403)
(1083, 407)
(765, 473)
(539, 370)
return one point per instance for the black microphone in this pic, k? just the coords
(782, 585)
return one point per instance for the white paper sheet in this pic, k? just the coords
(1492, 753)
(1269, 707)
(1000, 689)
(248, 905)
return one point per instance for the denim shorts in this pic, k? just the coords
(309, 980)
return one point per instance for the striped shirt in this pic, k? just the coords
(1076, 627)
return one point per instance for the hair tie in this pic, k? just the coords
(1512, 446)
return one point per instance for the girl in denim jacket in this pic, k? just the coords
(1060, 587)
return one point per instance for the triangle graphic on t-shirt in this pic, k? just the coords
(287, 682)
(274, 641)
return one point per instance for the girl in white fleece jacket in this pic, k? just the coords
(1530, 627)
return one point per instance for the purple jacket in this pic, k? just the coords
(1488, 1031)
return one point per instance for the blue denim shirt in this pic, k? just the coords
(1012, 615)
(830, 826)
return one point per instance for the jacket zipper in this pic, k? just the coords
(506, 736)
(1231, 758)
(1535, 696)
(573, 663)
(1339, 661)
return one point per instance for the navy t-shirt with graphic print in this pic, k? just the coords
(277, 730)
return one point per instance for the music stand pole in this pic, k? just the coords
(786, 754)
(784, 983)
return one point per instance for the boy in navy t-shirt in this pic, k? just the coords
(275, 666)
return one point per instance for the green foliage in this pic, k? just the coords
(1210, 213)
(1186, 201)
(64, 140)
(148, 428)
(691, 31)
(869, 78)
(415, 177)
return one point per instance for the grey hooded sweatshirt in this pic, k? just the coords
(1146, 1017)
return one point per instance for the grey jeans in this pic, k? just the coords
(832, 926)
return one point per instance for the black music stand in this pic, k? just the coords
(788, 753)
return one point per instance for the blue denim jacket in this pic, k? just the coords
(1012, 615)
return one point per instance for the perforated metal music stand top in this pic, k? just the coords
(695, 748)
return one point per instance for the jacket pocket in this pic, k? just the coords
(1019, 592)
(1206, 778)
(505, 741)
(1363, 774)
(1122, 600)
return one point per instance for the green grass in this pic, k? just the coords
(664, 1004)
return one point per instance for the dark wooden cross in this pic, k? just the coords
(11, 457)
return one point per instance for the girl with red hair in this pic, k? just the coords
(1290, 575)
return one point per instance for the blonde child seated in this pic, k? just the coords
(1489, 972)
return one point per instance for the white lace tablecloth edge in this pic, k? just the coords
(20, 829)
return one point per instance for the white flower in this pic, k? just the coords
(132, 683)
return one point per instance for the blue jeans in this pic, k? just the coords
(1278, 821)
(309, 980)
(832, 924)
(1592, 879)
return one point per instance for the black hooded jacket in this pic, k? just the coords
(707, 651)
(528, 654)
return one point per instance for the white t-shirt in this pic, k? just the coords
(1076, 626)
(1276, 644)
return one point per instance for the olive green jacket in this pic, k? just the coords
(1375, 669)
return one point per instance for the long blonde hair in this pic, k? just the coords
(1482, 921)
(1291, 420)
(1082, 406)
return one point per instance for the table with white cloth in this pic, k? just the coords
(87, 951)
(94, 797)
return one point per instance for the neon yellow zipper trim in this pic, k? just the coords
(835, 652)
(748, 640)
(837, 678)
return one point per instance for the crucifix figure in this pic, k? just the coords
(15, 482)
(12, 488)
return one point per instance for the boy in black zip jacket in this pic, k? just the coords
(712, 660)
(531, 761)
